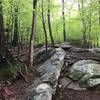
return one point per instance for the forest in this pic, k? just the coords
(49, 49)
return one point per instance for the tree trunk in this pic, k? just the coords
(90, 25)
(99, 25)
(49, 24)
(64, 26)
(16, 33)
(31, 47)
(84, 25)
(2, 37)
(44, 27)
(16, 39)
(99, 12)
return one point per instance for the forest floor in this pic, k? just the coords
(15, 90)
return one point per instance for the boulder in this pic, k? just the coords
(81, 68)
(95, 50)
(44, 92)
(66, 82)
(49, 74)
(78, 50)
(83, 62)
(65, 46)
(86, 72)
(75, 86)
(41, 92)
(50, 70)
(40, 55)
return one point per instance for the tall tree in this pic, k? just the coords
(49, 24)
(63, 15)
(99, 23)
(83, 23)
(99, 12)
(31, 47)
(11, 19)
(2, 37)
(44, 27)
(16, 32)
(16, 38)
(90, 23)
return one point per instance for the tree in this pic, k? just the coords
(16, 32)
(99, 23)
(31, 45)
(84, 24)
(2, 37)
(49, 24)
(63, 15)
(90, 23)
(44, 27)
(99, 12)
(83, 21)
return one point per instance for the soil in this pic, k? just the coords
(68, 94)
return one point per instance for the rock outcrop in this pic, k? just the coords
(45, 85)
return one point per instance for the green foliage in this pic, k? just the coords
(73, 15)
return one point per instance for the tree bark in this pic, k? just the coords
(64, 26)
(99, 25)
(16, 33)
(44, 27)
(31, 47)
(84, 25)
(49, 24)
(16, 38)
(2, 37)
(90, 25)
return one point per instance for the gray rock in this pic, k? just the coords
(40, 56)
(44, 92)
(86, 72)
(83, 62)
(64, 82)
(41, 92)
(95, 50)
(80, 49)
(81, 68)
(68, 83)
(65, 46)
(75, 86)
(93, 82)
(57, 45)
(50, 72)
